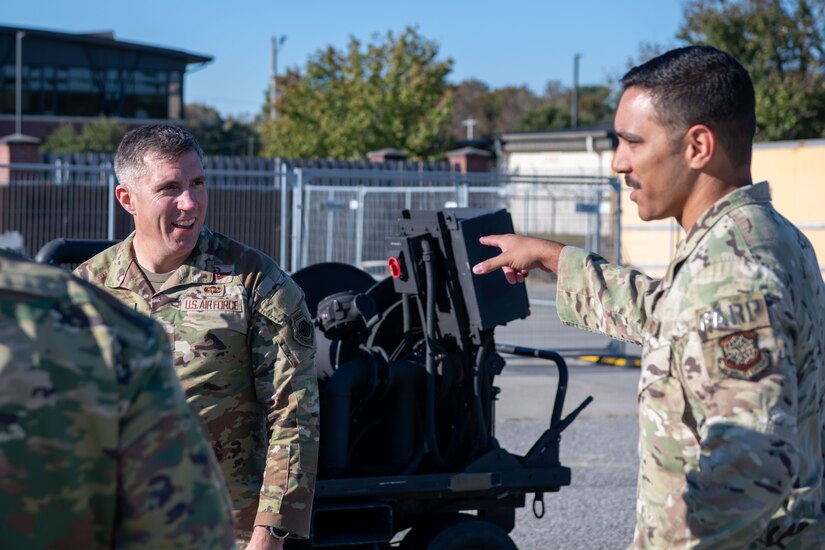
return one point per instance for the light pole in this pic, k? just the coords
(18, 88)
(273, 90)
(574, 99)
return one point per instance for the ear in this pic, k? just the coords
(701, 146)
(124, 197)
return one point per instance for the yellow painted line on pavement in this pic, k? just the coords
(612, 360)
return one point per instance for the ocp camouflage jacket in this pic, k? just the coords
(732, 383)
(244, 350)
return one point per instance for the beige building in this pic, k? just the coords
(560, 152)
(796, 173)
(795, 170)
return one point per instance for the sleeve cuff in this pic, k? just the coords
(296, 527)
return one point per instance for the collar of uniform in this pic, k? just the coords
(199, 266)
(755, 193)
(196, 269)
(121, 262)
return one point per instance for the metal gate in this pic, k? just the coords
(302, 216)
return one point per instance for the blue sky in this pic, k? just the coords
(518, 42)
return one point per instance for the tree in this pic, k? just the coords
(498, 110)
(595, 108)
(218, 135)
(101, 136)
(510, 104)
(544, 117)
(391, 93)
(472, 100)
(63, 139)
(781, 44)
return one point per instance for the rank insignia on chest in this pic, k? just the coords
(213, 290)
(741, 356)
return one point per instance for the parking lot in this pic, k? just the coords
(597, 511)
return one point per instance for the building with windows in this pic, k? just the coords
(77, 78)
(581, 152)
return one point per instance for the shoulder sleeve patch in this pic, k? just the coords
(740, 355)
(302, 329)
(733, 315)
(737, 336)
(283, 299)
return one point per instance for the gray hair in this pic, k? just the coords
(162, 141)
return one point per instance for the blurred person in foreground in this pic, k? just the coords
(732, 383)
(98, 447)
(242, 338)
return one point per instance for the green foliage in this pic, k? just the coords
(498, 110)
(516, 108)
(221, 136)
(544, 117)
(64, 139)
(595, 108)
(101, 136)
(391, 93)
(781, 44)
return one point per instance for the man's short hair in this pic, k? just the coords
(163, 141)
(701, 85)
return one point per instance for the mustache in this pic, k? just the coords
(631, 182)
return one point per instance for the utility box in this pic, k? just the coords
(489, 299)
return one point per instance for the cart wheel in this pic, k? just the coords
(458, 532)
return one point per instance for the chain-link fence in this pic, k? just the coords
(349, 221)
(306, 215)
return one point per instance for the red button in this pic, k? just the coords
(395, 267)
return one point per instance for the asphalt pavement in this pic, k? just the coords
(597, 511)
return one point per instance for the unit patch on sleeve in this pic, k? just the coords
(302, 330)
(731, 331)
(741, 356)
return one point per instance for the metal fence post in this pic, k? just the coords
(330, 220)
(284, 185)
(281, 179)
(464, 195)
(359, 228)
(598, 237)
(110, 229)
(617, 232)
(297, 221)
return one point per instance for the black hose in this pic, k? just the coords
(405, 311)
(480, 380)
(429, 394)
(337, 411)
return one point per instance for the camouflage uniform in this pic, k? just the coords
(732, 382)
(244, 346)
(97, 445)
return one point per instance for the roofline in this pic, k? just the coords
(557, 135)
(790, 143)
(71, 119)
(591, 140)
(84, 38)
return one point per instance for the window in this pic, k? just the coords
(88, 92)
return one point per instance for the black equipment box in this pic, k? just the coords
(490, 300)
